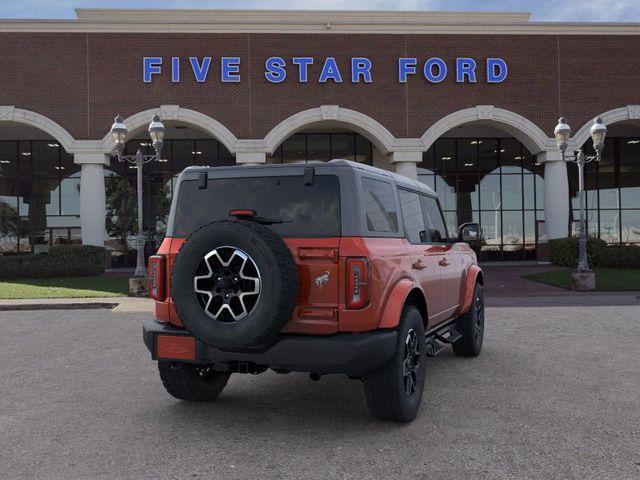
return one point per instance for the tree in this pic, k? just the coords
(122, 209)
(9, 221)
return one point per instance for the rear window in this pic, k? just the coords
(305, 210)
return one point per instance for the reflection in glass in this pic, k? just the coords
(491, 223)
(512, 192)
(318, 148)
(630, 226)
(512, 230)
(610, 226)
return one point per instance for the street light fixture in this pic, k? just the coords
(562, 133)
(119, 133)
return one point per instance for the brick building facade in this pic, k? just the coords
(64, 80)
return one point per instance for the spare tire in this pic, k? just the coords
(234, 284)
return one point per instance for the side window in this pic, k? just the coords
(412, 216)
(379, 206)
(436, 231)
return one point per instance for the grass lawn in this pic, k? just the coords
(607, 279)
(72, 287)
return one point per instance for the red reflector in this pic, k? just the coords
(242, 213)
(157, 277)
(357, 282)
(175, 347)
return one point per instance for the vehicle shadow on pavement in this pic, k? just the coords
(275, 403)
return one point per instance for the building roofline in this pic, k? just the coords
(311, 21)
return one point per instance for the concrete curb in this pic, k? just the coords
(57, 306)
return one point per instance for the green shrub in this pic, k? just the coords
(618, 256)
(564, 252)
(61, 261)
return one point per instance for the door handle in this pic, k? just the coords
(418, 265)
(444, 262)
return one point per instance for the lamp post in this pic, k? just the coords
(562, 133)
(119, 133)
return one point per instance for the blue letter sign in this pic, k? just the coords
(406, 66)
(465, 67)
(230, 71)
(434, 69)
(360, 67)
(496, 70)
(303, 67)
(330, 71)
(428, 70)
(151, 66)
(275, 69)
(200, 71)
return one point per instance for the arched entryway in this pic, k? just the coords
(39, 184)
(612, 186)
(483, 173)
(329, 132)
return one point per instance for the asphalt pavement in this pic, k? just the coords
(554, 395)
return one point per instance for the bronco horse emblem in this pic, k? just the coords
(322, 280)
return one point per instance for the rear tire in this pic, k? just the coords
(193, 383)
(471, 326)
(394, 391)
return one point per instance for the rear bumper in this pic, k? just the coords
(340, 353)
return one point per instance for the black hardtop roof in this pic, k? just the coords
(247, 170)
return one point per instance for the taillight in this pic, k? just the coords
(157, 277)
(357, 282)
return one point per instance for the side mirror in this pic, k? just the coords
(469, 233)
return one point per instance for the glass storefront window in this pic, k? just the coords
(490, 198)
(511, 155)
(612, 187)
(306, 147)
(342, 145)
(8, 159)
(493, 181)
(630, 223)
(512, 192)
(512, 230)
(610, 226)
(39, 192)
(294, 149)
(319, 148)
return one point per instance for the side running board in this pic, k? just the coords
(436, 341)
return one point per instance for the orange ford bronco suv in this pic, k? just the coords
(323, 268)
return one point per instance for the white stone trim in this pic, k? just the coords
(629, 112)
(251, 158)
(180, 114)
(309, 21)
(10, 113)
(531, 136)
(382, 138)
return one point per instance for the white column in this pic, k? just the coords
(251, 158)
(406, 163)
(556, 194)
(92, 197)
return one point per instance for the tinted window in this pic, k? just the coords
(305, 210)
(379, 205)
(436, 231)
(412, 216)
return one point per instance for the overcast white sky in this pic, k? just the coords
(543, 10)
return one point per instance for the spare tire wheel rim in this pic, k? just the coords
(227, 284)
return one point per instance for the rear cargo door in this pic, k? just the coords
(316, 311)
